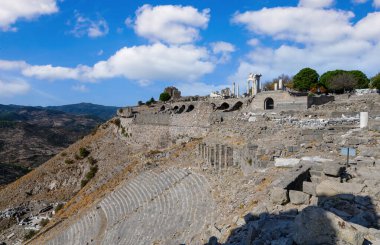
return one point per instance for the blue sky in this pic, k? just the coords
(55, 52)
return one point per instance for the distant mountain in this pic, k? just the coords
(29, 136)
(101, 111)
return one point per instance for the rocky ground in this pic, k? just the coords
(29, 136)
(297, 188)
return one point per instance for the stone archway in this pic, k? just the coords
(268, 104)
(190, 108)
(223, 106)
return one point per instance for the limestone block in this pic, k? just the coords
(298, 197)
(332, 169)
(309, 188)
(332, 188)
(279, 196)
(315, 225)
(286, 162)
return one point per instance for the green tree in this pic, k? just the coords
(151, 101)
(361, 79)
(343, 82)
(305, 79)
(165, 96)
(375, 81)
(140, 103)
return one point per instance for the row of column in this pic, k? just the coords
(216, 156)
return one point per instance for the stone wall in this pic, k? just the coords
(319, 100)
(282, 101)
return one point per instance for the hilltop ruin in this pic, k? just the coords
(264, 169)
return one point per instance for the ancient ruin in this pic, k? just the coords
(274, 167)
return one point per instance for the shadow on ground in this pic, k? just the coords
(333, 220)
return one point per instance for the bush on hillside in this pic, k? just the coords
(165, 96)
(83, 152)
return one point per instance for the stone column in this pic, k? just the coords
(233, 90)
(216, 161)
(220, 157)
(225, 157)
(238, 94)
(275, 87)
(280, 85)
(248, 92)
(363, 119)
(254, 87)
(207, 156)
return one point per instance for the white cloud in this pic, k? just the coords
(11, 88)
(144, 64)
(80, 88)
(91, 28)
(324, 39)
(12, 10)
(253, 42)
(50, 72)
(224, 49)
(376, 3)
(316, 3)
(303, 25)
(170, 23)
(156, 62)
(12, 65)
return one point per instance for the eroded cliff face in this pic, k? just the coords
(196, 174)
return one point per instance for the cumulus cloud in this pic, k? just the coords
(376, 3)
(11, 11)
(324, 39)
(299, 24)
(144, 64)
(11, 88)
(170, 23)
(316, 3)
(224, 49)
(154, 62)
(84, 26)
(50, 72)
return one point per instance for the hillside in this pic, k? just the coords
(189, 173)
(100, 111)
(29, 136)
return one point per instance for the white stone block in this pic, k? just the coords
(286, 162)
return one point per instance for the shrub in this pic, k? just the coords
(305, 79)
(69, 161)
(140, 103)
(165, 96)
(83, 152)
(77, 157)
(151, 101)
(117, 122)
(44, 222)
(30, 234)
(63, 154)
(92, 172)
(83, 182)
(91, 160)
(59, 207)
(375, 81)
